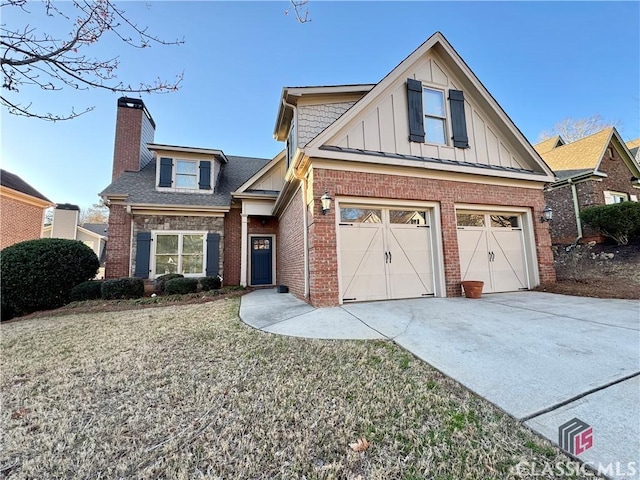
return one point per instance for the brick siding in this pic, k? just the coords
(118, 253)
(19, 221)
(322, 233)
(232, 246)
(290, 250)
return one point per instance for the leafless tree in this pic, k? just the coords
(300, 9)
(32, 58)
(96, 213)
(571, 129)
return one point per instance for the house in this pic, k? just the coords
(22, 210)
(595, 170)
(634, 148)
(65, 224)
(395, 190)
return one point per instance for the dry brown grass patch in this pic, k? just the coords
(191, 392)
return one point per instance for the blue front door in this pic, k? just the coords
(261, 261)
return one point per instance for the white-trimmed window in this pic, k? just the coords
(179, 252)
(435, 116)
(615, 197)
(185, 175)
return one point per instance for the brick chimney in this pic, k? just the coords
(134, 129)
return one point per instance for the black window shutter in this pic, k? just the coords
(205, 175)
(213, 254)
(458, 121)
(166, 172)
(143, 254)
(416, 120)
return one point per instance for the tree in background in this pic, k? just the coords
(32, 58)
(96, 213)
(574, 129)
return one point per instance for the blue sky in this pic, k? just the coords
(542, 61)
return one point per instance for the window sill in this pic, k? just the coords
(184, 190)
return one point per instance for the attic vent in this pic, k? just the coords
(610, 152)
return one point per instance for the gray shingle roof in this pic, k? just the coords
(14, 182)
(99, 228)
(140, 186)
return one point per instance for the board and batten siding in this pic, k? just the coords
(384, 127)
(313, 119)
(273, 180)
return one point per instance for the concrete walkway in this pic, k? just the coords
(543, 358)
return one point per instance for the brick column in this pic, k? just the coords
(118, 259)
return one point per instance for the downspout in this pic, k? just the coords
(576, 209)
(305, 236)
(303, 187)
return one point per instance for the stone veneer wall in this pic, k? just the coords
(147, 223)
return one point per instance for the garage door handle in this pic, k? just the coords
(386, 257)
(389, 257)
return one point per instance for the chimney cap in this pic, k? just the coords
(66, 206)
(128, 102)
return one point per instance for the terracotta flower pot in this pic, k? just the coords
(472, 288)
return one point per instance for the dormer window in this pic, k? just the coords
(184, 175)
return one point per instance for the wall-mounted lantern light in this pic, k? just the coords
(547, 214)
(326, 203)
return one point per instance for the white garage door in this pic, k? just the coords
(385, 253)
(491, 247)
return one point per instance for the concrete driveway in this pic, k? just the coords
(543, 358)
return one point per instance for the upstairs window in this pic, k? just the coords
(184, 175)
(435, 116)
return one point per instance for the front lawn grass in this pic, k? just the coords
(191, 392)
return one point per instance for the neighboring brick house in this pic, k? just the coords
(22, 210)
(595, 170)
(428, 182)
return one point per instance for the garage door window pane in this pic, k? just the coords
(408, 217)
(360, 215)
(505, 221)
(470, 220)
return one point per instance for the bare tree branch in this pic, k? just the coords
(31, 58)
(300, 9)
(574, 129)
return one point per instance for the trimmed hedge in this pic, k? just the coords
(210, 283)
(162, 280)
(127, 287)
(620, 221)
(91, 290)
(181, 286)
(39, 274)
